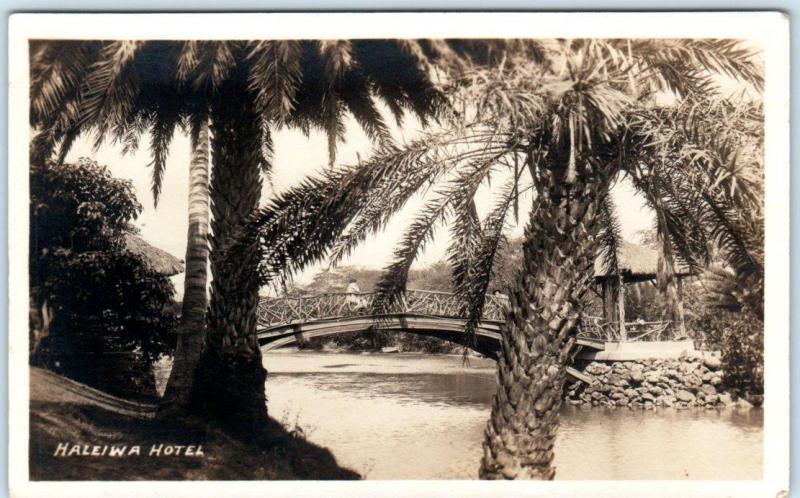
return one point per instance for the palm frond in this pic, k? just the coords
(274, 77)
(610, 235)
(110, 88)
(392, 285)
(466, 237)
(162, 132)
(57, 70)
(475, 286)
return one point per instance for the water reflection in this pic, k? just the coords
(409, 389)
(422, 417)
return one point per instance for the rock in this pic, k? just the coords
(593, 369)
(656, 391)
(652, 377)
(725, 398)
(636, 376)
(648, 397)
(707, 377)
(622, 402)
(708, 389)
(715, 380)
(712, 399)
(688, 368)
(631, 393)
(685, 396)
(743, 403)
(672, 373)
(618, 395)
(712, 362)
(756, 399)
(693, 380)
(668, 400)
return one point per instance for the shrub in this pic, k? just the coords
(101, 314)
(743, 355)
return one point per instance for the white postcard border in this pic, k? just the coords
(770, 29)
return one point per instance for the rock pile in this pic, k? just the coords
(680, 383)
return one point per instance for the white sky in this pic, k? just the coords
(297, 156)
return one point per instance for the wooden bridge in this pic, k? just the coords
(289, 320)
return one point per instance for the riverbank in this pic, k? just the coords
(689, 381)
(72, 438)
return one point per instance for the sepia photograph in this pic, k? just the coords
(447, 251)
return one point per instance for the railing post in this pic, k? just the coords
(623, 335)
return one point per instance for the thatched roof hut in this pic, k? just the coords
(159, 260)
(636, 264)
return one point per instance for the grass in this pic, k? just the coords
(284, 456)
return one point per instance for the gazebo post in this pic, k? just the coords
(609, 301)
(623, 335)
(681, 321)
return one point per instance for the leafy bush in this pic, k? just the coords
(717, 322)
(97, 308)
(743, 355)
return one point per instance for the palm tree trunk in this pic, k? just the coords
(230, 378)
(539, 332)
(192, 327)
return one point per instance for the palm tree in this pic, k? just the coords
(562, 124)
(246, 89)
(191, 332)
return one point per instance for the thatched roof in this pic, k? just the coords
(636, 262)
(158, 259)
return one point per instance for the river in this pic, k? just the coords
(415, 416)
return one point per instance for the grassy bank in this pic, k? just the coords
(56, 419)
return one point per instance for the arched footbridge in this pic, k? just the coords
(285, 321)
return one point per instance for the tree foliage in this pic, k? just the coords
(125, 89)
(104, 298)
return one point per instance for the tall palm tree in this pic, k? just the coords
(246, 89)
(191, 332)
(564, 125)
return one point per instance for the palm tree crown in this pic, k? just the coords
(122, 89)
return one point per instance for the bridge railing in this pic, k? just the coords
(273, 312)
